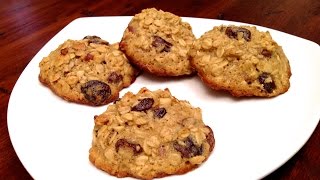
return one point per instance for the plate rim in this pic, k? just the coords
(9, 108)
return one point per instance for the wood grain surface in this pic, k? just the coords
(26, 25)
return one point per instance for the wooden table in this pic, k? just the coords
(25, 26)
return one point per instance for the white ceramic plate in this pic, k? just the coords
(254, 136)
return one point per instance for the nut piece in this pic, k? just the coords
(136, 148)
(96, 91)
(143, 105)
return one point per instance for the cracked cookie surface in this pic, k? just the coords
(241, 60)
(158, 42)
(87, 71)
(150, 134)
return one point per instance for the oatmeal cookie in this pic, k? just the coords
(88, 71)
(158, 42)
(150, 134)
(241, 60)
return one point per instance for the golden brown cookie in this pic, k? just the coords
(88, 71)
(241, 60)
(158, 42)
(150, 134)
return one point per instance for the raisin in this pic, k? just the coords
(246, 33)
(262, 77)
(268, 86)
(136, 148)
(162, 44)
(114, 78)
(210, 139)
(64, 51)
(122, 45)
(131, 29)
(115, 102)
(88, 57)
(160, 112)
(96, 91)
(91, 37)
(96, 40)
(143, 105)
(233, 33)
(266, 53)
(189, 149)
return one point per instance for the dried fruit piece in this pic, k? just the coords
(162, 44)
(136, 148)
(96, 40)
(246, 33)
(131, 29)
(262, 77)
(64, 51)
(210, 139)
(268, 86)
(232, 32)
(160, 112)
(266, 53)
(143, 105)
(189, 149)
(115, 101)
(96, 91)
(88, 57)
(114, 78)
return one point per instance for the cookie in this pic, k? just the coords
(150, 134)
(241, 60)
(158, 42)
(87, 71)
